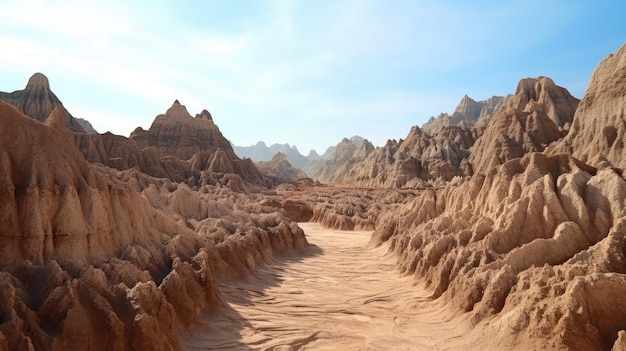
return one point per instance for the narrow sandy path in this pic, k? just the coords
(339, 296)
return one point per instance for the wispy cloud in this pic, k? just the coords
(284, 64)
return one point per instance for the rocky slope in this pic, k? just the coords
(176, 133)
(346, 154)
(280, 167)
(598, 131)
(37, 101)
(467, 113)
(98, 259)
(409, 162)
(531, 247)
(260, 152)
(164, 151)
(532, 118)
(536, 115)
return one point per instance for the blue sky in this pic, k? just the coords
(300, 72)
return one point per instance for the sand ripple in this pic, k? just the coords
(338, 296)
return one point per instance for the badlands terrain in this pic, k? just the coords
(499, 226)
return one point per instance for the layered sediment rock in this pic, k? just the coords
(533, 245)
(38, 101)
(409, 162)
(280, 167)
(90, 263)
(532, 118)
(467, 113)
(176, 133)
(177, 147)
(598, 131)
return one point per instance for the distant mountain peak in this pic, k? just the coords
(205, 114)
(177, 110)
(38, 81)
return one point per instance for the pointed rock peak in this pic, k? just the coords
(59, 118)
(177, 111)
(357, 140)
(38, 81)
(532, 87)
(205, 114)
(467, 98)
(415, 130)
(367, 145)
(279, 156)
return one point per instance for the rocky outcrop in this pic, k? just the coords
(38, 101)
(280, 167)
(537, 241)
(598, 131)
(176, 133)
(88, 262)
(155, 152)
(410, 162)
(466, 114)
(346, 155)
(532, 246)
(260, 152)
(532, 118)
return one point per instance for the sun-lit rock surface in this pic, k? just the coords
(37, 101)
(97, 259)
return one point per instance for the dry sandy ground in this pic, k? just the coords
(339, 296)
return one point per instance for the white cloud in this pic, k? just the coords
(318, 62)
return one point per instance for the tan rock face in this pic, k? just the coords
(178, 134)
(213, 163)
(88, 262)
(530, 120)
(280, 167)
(537, 231)
(38, 101)
(598, 130)
(420, 157)
(346, 154)
(467, 113)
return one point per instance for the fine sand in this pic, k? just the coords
(338, 296)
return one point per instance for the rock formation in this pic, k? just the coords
(176, 133)
(37, 101)
(260, 152)
(280, 167)
(598, 131)
(420, 157)
(346, 154)
(466, 114)
(164, 151)
(88, 262)
(531, 119)
(532, 245)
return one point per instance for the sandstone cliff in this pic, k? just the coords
(598, 132)
(37, 101)
(409, 162)
(280, 167)
(531, 119)
(88, 262)
(176, 133)
(178, 147)
(345, 155)
(531, 247)
(467, 113)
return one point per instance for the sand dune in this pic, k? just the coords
(337, 296)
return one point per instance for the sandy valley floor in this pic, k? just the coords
(341, 296)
